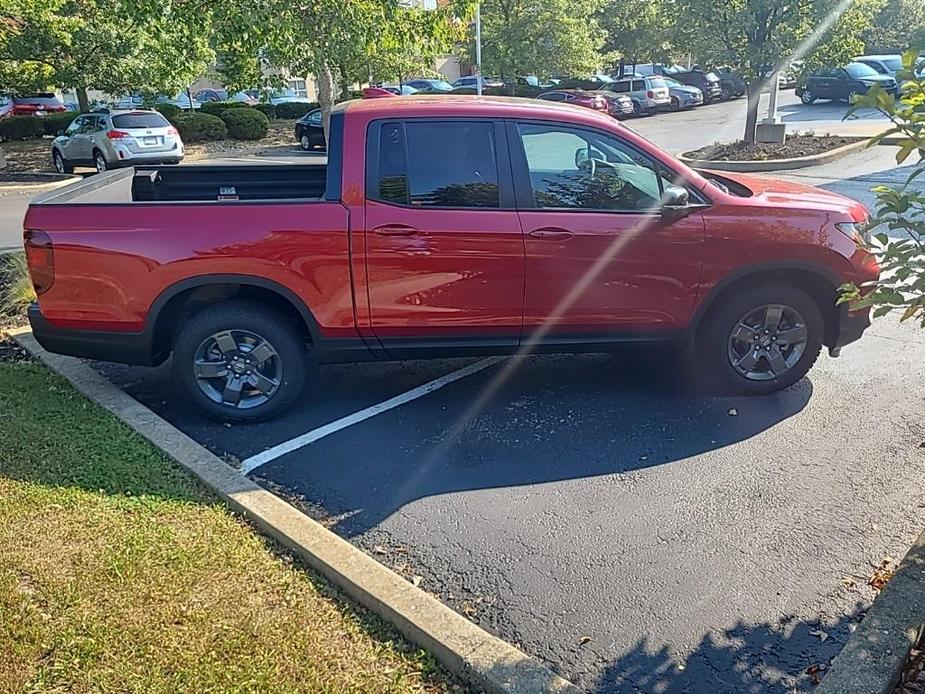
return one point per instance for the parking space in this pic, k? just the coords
(610, 513)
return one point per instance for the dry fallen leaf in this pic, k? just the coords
(813, 671)
(882, 574)
(583, 640)
(379, 549)
(821, 634)
(733, 412)
(416, 580)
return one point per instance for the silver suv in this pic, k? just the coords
(649, 94)
(109, 139)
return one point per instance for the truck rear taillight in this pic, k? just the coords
(40, 256)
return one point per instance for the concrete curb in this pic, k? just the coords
(873, 659)
(775, 164)
(39, 187)
(481, 659)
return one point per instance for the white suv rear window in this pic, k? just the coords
(139, 120)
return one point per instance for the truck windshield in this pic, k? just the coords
(139, 120)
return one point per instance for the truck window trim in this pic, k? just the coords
(523, 186)
(502, 161)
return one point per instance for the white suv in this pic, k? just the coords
(109, 139)
(649, 94)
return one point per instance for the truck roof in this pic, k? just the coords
(470, 105)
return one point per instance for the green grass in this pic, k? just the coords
(119, 573)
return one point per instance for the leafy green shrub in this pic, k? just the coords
(216, 107)
(269, 110)
(901, 253)
(54, 122)
(169, 111)
(21, 128)
(294, 109)
(198, 127)
(246, 124)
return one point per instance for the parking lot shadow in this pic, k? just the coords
(779, 657)
(556, 418)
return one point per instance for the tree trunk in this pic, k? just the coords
(326, 90)
(751, 115)
(83, 101)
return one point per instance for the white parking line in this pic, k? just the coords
(250, 464)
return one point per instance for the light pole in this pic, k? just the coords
(478, 48)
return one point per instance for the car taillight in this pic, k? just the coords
(40, 257)
(650, 94)
(117, 134)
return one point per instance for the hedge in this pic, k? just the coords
(169, 111)
(197, 127)
(269, 110)
(21, 127)
(246, 124)
(55, 122)
(216, 107)
(294, 109)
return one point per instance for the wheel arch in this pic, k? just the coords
(183, 300)
(820, 282)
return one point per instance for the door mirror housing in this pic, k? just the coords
(675, 202)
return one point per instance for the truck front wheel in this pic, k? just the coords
(241, 361)
(760, 339)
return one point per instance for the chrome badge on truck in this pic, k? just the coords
(227, 193)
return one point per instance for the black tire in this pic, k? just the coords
(675, 105)
(61, 164)
(726, 94)
(306, 142)
(807, 97)
(99, 162)
(286, 369)
(715, 337)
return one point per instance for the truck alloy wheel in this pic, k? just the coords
(767, 342)
(237, 368)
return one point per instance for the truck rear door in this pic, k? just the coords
(444, 247)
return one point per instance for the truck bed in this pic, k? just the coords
(177, 184)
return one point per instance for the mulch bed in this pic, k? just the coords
(7, 177)
(795, 146)
(29, 156)
(912, 680)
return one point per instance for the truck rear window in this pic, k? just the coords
(464, 175)
(139, 120)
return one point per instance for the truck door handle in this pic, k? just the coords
(552, 233)
(395, 230)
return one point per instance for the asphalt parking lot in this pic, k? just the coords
(610, 513)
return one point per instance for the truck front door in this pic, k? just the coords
(444, 247)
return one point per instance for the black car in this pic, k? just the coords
(843, 83)
(730, 82)
(309, 130)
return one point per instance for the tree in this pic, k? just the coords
(338, 41)
(541, 37)
(893, 26)
(639, 31)
(901, 211)
(760, 36)
(111, 45)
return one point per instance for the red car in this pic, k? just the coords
(577, 97)
(442, 226)
(36, 105)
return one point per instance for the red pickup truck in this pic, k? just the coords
(442, 226)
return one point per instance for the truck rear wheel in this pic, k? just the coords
(241, 361)
(760, 339)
